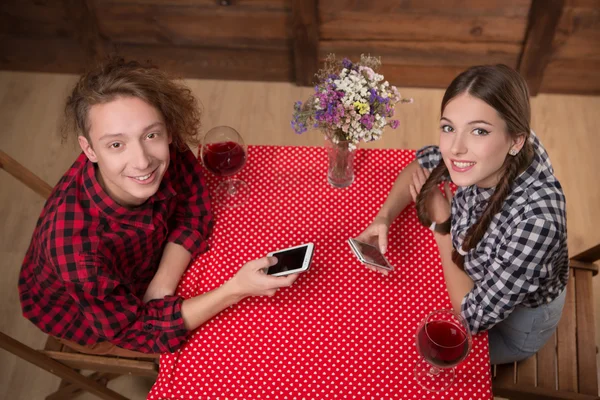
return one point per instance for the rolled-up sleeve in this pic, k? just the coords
(521, 263)
(429, 157)
(117, 315)
(192, 223)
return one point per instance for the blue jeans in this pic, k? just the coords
(525, 331)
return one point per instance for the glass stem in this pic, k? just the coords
(433, 371)
(231, 190)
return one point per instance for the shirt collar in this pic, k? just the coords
(141, 216)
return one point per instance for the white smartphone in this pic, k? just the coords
(291, 260)
(369, 254)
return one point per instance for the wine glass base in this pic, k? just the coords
(232, 193)
(433, 379)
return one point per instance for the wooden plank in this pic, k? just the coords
(433, 54)
(586, 333)
(546, 365)
(306, 41)
(83, 17)
(518, 393)
(589, 256)
(239, 4)
(506, 375)
(572, 76)
(24, 175)
(227, 27)
(53, 344)
(347, 25)
(31, 18)
(71, 391)
(567, 345)
(105, 363)
(537, 51)
(46, 55)
(511, 8)
(419, 75)
(526, 372)
(207, 63)
(37, 358)
(588, 266)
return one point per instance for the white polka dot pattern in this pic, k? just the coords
(341, 331)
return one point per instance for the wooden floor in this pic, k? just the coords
(30, 107)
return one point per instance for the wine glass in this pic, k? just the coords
(224, 153)
(443, 341)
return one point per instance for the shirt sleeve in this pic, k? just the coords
(117, 315)
(521, 263)
(429, 157)
(192, 222)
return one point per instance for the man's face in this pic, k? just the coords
(130, 143)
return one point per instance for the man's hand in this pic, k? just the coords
(251, 279)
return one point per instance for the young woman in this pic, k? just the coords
(126, 219)
(502, 238)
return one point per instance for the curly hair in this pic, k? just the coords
(506, 91)
(117, 77)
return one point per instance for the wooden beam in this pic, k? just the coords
(306, 40)
(544, 16)
(589, 256)
(35, 357)
(83, 17)
(586, 334)
(105, 363)
(31, 180)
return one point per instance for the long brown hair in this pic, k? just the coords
(506, 91)
(115, 78)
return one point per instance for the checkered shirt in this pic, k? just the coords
(522, 259)
(90, 260)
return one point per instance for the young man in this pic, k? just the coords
(126, 219)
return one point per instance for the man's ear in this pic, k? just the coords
(87, 149)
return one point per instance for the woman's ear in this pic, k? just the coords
(517, 144)
(87, 149)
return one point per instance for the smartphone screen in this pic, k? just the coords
(371, 254)
(288, 260)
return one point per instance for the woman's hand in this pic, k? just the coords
(438, 205)
(251, 279)
(376, 234)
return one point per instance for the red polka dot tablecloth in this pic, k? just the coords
(341, 331)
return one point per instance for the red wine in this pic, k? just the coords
(224, 158)
(444, 344)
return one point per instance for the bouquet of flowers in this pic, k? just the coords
(352, 102)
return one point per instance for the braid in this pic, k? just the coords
(437, 175)
(514, 166)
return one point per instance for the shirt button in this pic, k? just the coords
(147, 327)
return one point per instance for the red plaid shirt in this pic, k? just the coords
(90, 260)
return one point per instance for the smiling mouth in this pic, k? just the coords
(461, 164)
(143, 177)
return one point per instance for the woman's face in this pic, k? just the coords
(474, 141)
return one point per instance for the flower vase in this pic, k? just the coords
(340, 168)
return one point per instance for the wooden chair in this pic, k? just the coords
(565, 368)
(59, 359)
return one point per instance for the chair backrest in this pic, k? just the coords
(31, 180)
(565, 368)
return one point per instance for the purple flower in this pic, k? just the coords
(347, 63)
(394, 123)
(367, 121)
